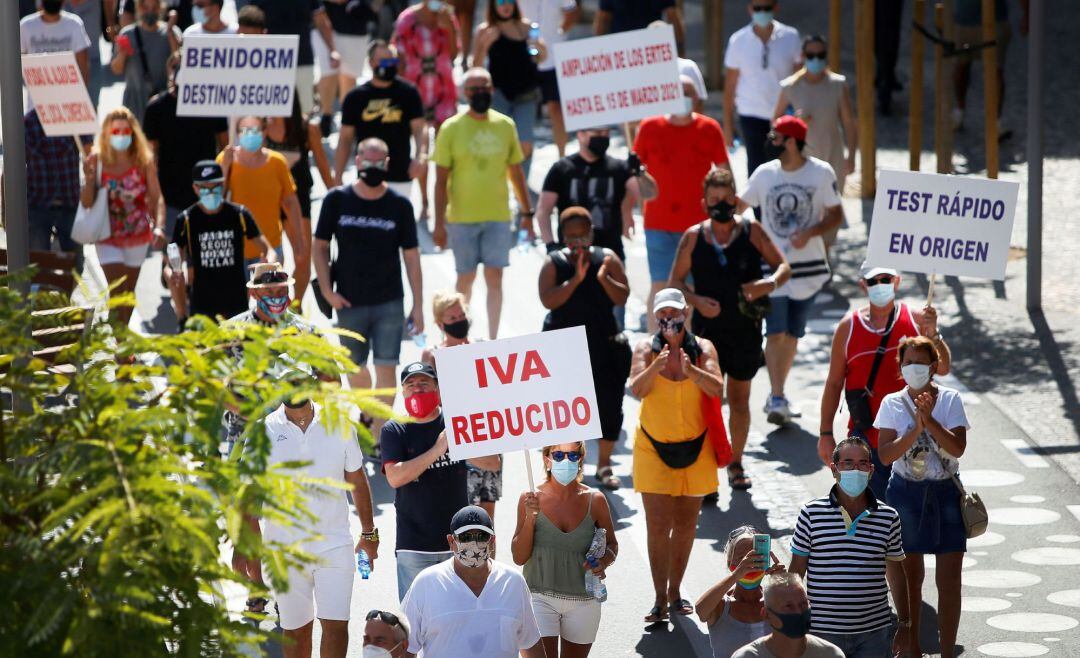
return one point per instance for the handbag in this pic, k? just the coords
(91, 225)
(679, 454)
(972, 508)
(716, 431)
(858, 399)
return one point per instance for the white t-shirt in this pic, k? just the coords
(197, 29)
(68, 33)
(331, 454)
(758, 87)
(689, 68)
(792, 201)
(815, 648)
(449, 621)
(548, 14)
(948, 410)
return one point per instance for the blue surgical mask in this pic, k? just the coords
(564, 472)
(211, 198)
(815, 65)
(854, 482)
(435, 5)
(881, 294)
(762, 18)
(251, 140)
(198, 14)
(120, 142)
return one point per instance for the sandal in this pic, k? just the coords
(656, 614)
(681, 607)
(608, 479)
(738, 481)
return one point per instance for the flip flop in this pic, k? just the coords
(608, 479)
(681, 607)
(738, 481)
(656, 614)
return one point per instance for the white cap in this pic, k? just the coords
(868, 272)
(669, 298)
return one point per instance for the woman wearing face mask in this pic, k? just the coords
(733, 609)
(581, 285)
(555, 528)
(503, 41)
(674, 465)
(258, 178)
(122, 154)
(922, 432)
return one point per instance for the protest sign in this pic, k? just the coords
(59, 94)
(249, 74)
(618, 77)
(517, 393)
(938, 224)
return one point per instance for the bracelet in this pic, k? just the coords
(825, 433)
(370, 536)
(526, 213)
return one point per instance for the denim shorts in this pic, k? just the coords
(869, 644)
(661, 247)
(411, 563)
(930, 518)
(479, 243)
(381, 325)
(788, 316)
(521, 109)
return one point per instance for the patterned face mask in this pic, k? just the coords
(473, 554)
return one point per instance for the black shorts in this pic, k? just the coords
(609, 380)
(738, 348)
(549, 87)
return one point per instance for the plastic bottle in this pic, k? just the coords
(534, 37)
(363, 565)
(594, 585)
(523, 241)
(419, 339)
(173, 252)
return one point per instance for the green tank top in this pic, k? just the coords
(555, 565)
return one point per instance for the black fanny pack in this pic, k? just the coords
(679, 454)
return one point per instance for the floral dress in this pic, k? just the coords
(130, 221)
(427, 63)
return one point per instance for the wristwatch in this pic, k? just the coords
(370, 536)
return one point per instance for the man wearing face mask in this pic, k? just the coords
(53, 30)
(389, 108)
(206, 19)
(210, 235)
(843, 545)
(724, 259)
(472, 605)
(386, 635)
(861, 372)
(787, 611)
(678, 149)
(141, 52)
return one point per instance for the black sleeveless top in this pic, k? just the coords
(719, 273)
(513, 71)
(589, 305)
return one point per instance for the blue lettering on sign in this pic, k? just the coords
(967, 207)
(952, 248)
(233, 57)
(901, 243)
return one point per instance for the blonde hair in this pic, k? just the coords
(580, 462)
(443, 300)
(139, 151)
(745, 532)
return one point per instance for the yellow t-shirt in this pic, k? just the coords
(477, 153)
(262, 191)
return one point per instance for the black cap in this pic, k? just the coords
(471, 517)
(418, 368)
(207, 171)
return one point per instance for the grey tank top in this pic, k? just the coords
(727, 634)
(554, 568)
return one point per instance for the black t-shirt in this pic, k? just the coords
(369, 234)
(385, 113)
(215, 247)
(627, 15)
(182, 141)
(426, 505)
(597, 186)
(291, 17)
(353, 17)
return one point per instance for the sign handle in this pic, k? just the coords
(79, 145)
(930, 292)
(528, 469)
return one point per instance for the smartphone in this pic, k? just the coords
(763, 546)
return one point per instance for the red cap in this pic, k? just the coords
(790, 126)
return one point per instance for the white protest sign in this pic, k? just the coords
(618, 77)
(516, 393)
(938, 224)
(59, 94)
(238, 75)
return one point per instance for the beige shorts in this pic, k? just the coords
(573, 620)
(973, 34)
(324, 587)
(353, 51)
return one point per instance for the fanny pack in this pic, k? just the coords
(679, 454)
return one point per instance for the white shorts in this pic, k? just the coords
(351, 47)
(325, 586)
(305, 87)
(107, 254)
(573, 621)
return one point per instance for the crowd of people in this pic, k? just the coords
(734, 272)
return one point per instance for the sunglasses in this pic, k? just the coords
(388, 618)
(559, 455)
(475, 88)
(478, 536)
(758, 8)
(272, 277)
(820, 56)
(388, 61)
(881, 278)
(378, 164)
(851, 464)
(120, 131)
(251, 129)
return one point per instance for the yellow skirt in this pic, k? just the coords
(652, 475)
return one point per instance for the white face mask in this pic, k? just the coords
(881, 294)
(917, 375)
(372, 651)
(473, 554)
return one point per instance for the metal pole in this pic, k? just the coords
(944, 163)
(11, 123)
(1036, 31)
(915, 114)
(834, 34)
(714, 44)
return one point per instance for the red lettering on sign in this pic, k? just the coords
(529, 411)
(562, 414)
(495, 425)
(481, 373)
(461, 430)
(534, 365)
(515, 430)
(505, 376)
(477, 422)
(581, 411)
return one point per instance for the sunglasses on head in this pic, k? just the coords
(478, 536)
(742, 530)
(388, 618)
(881, 278)
(272, 277)
(559, 455)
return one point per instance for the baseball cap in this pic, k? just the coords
(471, 517)
(669, 298)
(207, 171)
(418, 368)
(791, 126)
(867, 271)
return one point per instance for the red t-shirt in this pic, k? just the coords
(678, 157)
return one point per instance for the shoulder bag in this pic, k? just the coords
(858, 399)
(91, 225)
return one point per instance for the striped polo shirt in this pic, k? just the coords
(845, 574)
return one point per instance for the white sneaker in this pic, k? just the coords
(777, 410)
(792, 411)
(957, 117)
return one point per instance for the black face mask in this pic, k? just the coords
(52, 6)
(480, 101)
(373, 176)
(598, 145)
(793, 624)
(722, 211)
(385, 73)
(459, 329)
(773, 151)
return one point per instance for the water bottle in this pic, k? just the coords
(363, 564)
(534, 37)
(173, 252)
(523, 241)
(419, 339)
(594, 585)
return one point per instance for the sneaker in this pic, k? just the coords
(776, 410)
(957, 118)
(792, 411)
